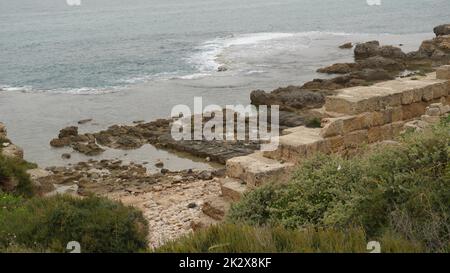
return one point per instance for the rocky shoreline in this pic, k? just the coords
(174, 201)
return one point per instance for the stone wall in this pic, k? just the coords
(370, 114)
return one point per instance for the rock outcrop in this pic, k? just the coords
(442, 30)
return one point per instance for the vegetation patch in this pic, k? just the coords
(48, 224)
(402, 189)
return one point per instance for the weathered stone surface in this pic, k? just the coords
(298, 143)
(375, 98)
(413, 110)
(216, 208)
(443, 72)
(255, 169)
(380, 133)
(232, 189)
(334, 144)
(355, 139)
(332, 127)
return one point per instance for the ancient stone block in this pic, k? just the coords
(380, 133)
(394, 99)
(355, 138)
(413, 110)
(377, 119)
(440, 91)
(332, 127)
(335, 144)
(417, 95)
(397, 114)
(408, 97)
(428, 94)
(443, 72)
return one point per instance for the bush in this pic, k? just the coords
(230, 238)
(402, 189)
(48, 224)
(12, 169)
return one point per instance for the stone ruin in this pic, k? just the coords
(354, 116)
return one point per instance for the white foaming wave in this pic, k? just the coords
(194, 76)
(253, 72)
(150, 77)
(83, 91)
(206, 60)
(8, 88)
(72, 91)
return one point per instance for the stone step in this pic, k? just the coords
(232, 189)
(216, 208)
(403, 91)
(298, 143)
(255, 169)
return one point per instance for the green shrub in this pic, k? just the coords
(402, 189)
(314, 123)
(98, 224)
(15, 169)
(230, 238)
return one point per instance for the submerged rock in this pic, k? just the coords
(68, 132)
(338, 68)
(346, 46)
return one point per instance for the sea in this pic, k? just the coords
(118, 61)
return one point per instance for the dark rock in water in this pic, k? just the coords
(129, 142)
(291, 97)
(68, 131)
(222, 69)
(159, 164)
(84, 121)
(373, 75)
(378, 62)
(60, 142)
(436, 49)
(373, 48)
(346, 46)
(442, 30)
(391, 52)
(366, 50)
(164, 171)
(90, 149)
(338, 68)
(65, 156)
